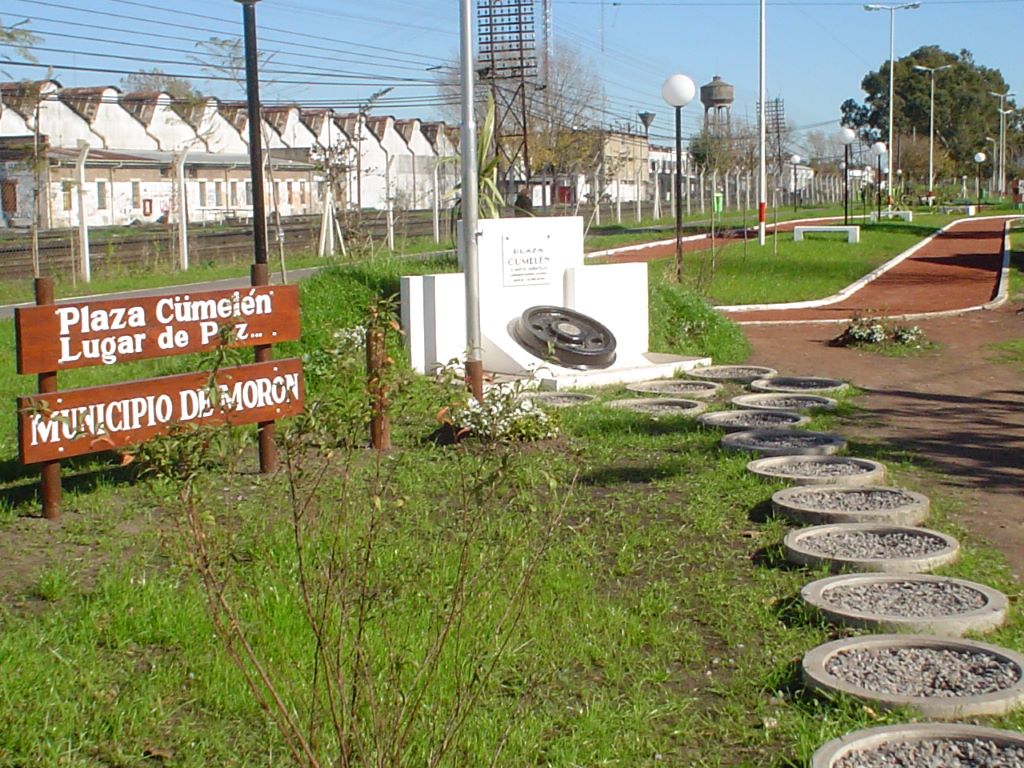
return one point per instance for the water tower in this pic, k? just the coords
(717, 97)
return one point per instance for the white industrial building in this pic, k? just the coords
(124, 157)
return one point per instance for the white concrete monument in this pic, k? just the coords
(526, 263)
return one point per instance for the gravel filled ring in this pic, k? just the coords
(805, 384)
(923, 745)
(744, 374)
(784, 442)
(656, 407)
(941, 677)
(557, 399)
(840, 504)
(819, 470)
(744, 419)
(676, 387)
(785, 402)
(871, 547)
(936, 605)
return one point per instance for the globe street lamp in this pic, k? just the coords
(931, 128)
(892, 55)
(878, 149)
(846, 137)
(979, 158)
(678, 91)
(794, 160)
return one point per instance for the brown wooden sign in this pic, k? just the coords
(73, 422)
(56, 337)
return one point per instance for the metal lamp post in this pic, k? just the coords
(931, 128)
(1000, 159)
(846, 137)
(794, 160)
(979, 158)
(892, 56)
(878, 149)
(678, 91)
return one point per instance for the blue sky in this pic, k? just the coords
(340, 52)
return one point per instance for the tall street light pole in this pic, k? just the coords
(979, 158)
(892, 60)
(762, 162)
(931, 128)
(470, 208)
(878, 149)
(1000, 160)
(846, 137)
(678, 91)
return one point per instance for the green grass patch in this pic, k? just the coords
(620, 594)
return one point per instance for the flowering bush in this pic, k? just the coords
(867, 330)
(909, 335)
(503, 416)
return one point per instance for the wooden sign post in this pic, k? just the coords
(55, 424)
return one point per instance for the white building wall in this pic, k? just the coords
(12, 124)
(424, 160)
(171, 132)
(117, 127)
(370, 191)
(62, 126)
(218, 134)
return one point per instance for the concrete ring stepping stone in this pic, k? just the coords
(744, 374)
(659, 406)
(747, 418)
(676, 387)
(873, 547)
(935, 605)
(784, 442)
(923, 745)
(784, 402)
(820, 470)
(811, 384)
(557, 399)
(940, 677)
(825, 504)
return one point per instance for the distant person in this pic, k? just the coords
(524, 203)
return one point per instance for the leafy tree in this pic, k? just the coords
(18, 36)
(178, 88)
(965, 113)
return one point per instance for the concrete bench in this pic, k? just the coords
(905, 215)
(967, 210)
(852, 231)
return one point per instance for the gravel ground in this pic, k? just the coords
(557, 399)
(906, 599)
(869, 545)
(781, 439)
(923, 672)
(754, 419)
(659, 406)
(675, 387)
(800, 383)
(820, 468)
(787, 402)
(741, 373)
(852, 500)
(937, 753)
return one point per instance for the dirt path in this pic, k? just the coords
(956, 408)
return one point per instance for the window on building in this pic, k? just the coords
(218, 194)
(291, 192)
(101, 195)
(66, 188)
(248, 193)
(202, 194)
(233, 194)
(136, 195)
(302, 193)
(9, 195)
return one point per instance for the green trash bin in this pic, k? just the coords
(718, 202)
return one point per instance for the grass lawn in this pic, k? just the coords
(613, 596)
